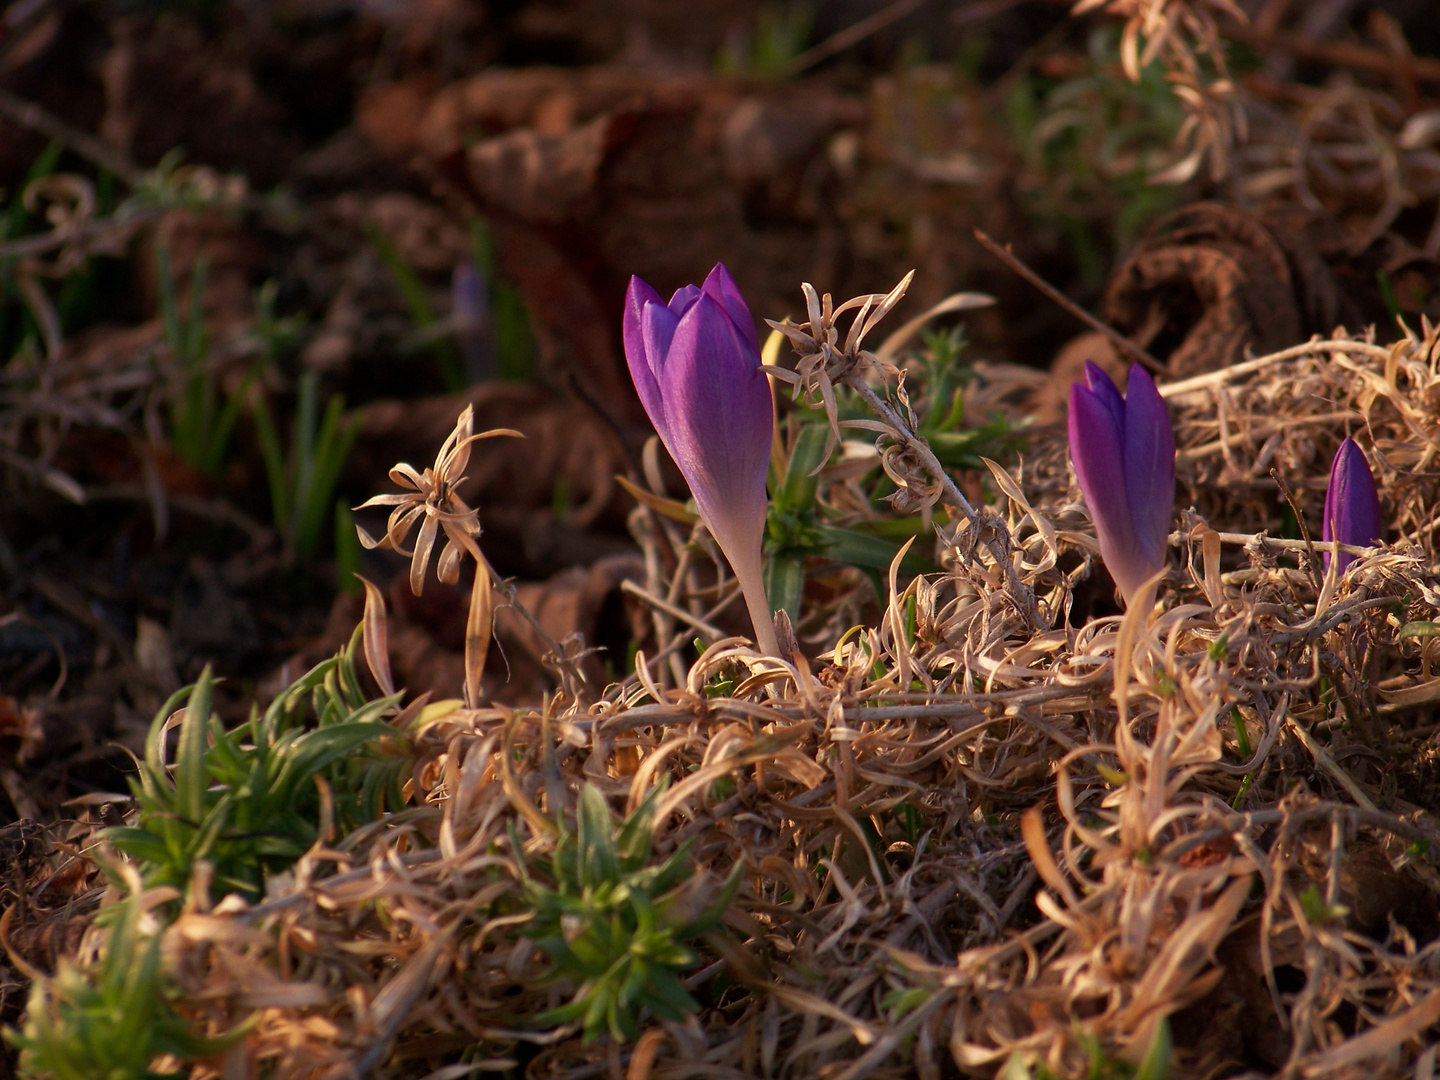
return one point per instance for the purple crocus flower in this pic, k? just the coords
(1352, 508)
(696, 366)
(1124, 455)
(470, 318)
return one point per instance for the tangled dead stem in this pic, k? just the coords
(996, 830)
(1194, 796)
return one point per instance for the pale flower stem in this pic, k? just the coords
(953, 494)
(759, 606)
(752, 583)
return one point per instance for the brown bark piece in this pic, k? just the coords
(1209, 282)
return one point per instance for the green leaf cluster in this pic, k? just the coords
(795, 530)
(1154, 1064)
(1091, 145)
(247, 800)
(303, 475)
(200, 422)
(112, 1020)
(942, 422)
(615, 924)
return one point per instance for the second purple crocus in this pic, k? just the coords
(696, 365)
(1124, 455)
(1352, 506)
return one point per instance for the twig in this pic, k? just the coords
(670, 609)
(1340, 53)
(1312, 560)
(562, 659)
(56, 238)
(1177, 538)
(1005, 255)
(591, 402)
(1224, 375)
(1260, 431)
(1326, 762)
(97, 151)
(15, 25)
(851, 35)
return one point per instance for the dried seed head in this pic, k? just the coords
(821, 358)
(432, 503)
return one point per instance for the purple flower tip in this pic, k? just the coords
(1124, 455)
(1352, 506)
(696, 366)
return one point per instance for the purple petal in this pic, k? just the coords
(1107, 392)
(642, 371)
(470, 313)
(1332, 491)
(469, 294)
(657, 329)
(682, 298)
(1352, 505)
(721, 287)
(719, 422)
(1097, 451)
(1149, 465)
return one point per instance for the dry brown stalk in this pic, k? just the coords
(898, 810)
(822, 360)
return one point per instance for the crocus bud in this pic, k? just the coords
(695, 363)
(1352, 508)
(470, 318)
(1124, 455)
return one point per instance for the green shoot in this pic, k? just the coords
(200, 425)
(303, 478)
(614, 924)
(347, 549)
(422, 312)
(780, 35)
(1242, 735)
(513, 339)
(114, 1019)
(276, 334)
(247, 800)
(1317, 910)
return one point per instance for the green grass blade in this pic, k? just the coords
(275, 471)
(190, 772)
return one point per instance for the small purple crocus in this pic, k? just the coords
(1352, 507)
(696, 366)
(470, 319)
(1124, 455)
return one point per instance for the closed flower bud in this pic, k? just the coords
(696, 365)
(1123, 450)
(1352, 507)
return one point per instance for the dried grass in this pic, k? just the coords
(1183, 793)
